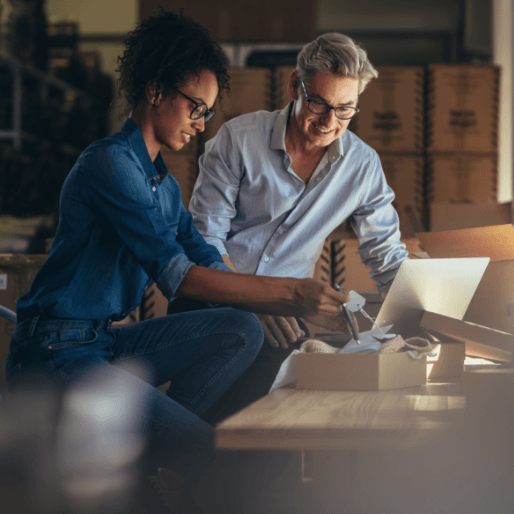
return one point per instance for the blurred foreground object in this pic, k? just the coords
(72, 453)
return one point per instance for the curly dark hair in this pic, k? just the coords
(165, 49)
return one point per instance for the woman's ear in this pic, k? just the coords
(153, 95)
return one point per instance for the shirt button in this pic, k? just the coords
(154, 188)
(266, 259)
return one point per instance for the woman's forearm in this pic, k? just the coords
(248, 292)
(281, 296)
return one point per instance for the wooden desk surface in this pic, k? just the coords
(297, 419)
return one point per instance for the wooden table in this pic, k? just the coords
(296, 419)
(424, 449)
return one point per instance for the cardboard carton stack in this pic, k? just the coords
(250, 91)
(391, 119)
(391, 122)
(462, 133)
(183, 165)
(323, 270)
(348, 270)
(17, 271)
(282, 74)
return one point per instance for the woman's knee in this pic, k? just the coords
(249, 328)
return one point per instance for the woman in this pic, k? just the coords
(121, 227)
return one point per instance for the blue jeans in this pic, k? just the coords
(201, 353)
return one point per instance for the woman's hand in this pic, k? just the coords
(317, 297)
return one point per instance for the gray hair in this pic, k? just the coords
(334, 53)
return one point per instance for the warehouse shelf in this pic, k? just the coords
(17, 134)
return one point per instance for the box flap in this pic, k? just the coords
(480, 341)
(496, 242)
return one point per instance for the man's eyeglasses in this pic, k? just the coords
(321, 107)
(200, 110)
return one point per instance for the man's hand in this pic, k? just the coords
(280, 330)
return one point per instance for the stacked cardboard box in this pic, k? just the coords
(250, 91)
(462, 133)
(347, 268)
(183, 165)
(282, 74)
(391, 119)
(404, 174)
(391, 122)
(17, 271)
(461, 178)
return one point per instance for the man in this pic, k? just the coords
(273, 185)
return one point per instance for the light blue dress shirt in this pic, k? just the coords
(251, 205)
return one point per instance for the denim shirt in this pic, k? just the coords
(122, 226)
(251, 205)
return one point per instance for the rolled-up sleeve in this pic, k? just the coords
(376, 225)
(213, 203)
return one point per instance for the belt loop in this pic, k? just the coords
(33, 324)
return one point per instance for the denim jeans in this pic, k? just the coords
(201, 353)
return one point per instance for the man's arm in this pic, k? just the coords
(376, 225)
(216, 189)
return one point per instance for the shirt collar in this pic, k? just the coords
(154, 170)
(334, 150)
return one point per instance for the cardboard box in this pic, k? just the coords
(405, 176)
(479, 341)
(17, 272)
(250, 91)
(184, 168)
(493, 303)
(462, 178)
(281, 81)
(368, 372)
(322, 270)
(349, 270)
(455, 216)
(391, 119)
(448, 363)
(462, 108)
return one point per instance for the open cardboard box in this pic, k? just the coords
(493, 303)
(479, 341)
(446, 362)
(359, 372)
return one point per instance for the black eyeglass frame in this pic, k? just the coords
(208, 114)
(329, 107)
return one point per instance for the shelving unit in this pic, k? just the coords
(18, 133)
(45, 123)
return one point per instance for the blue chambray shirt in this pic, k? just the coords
(122, 226)
(251, 205)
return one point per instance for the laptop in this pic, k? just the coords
(442, 286)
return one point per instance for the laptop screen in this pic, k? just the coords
(443, 286)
